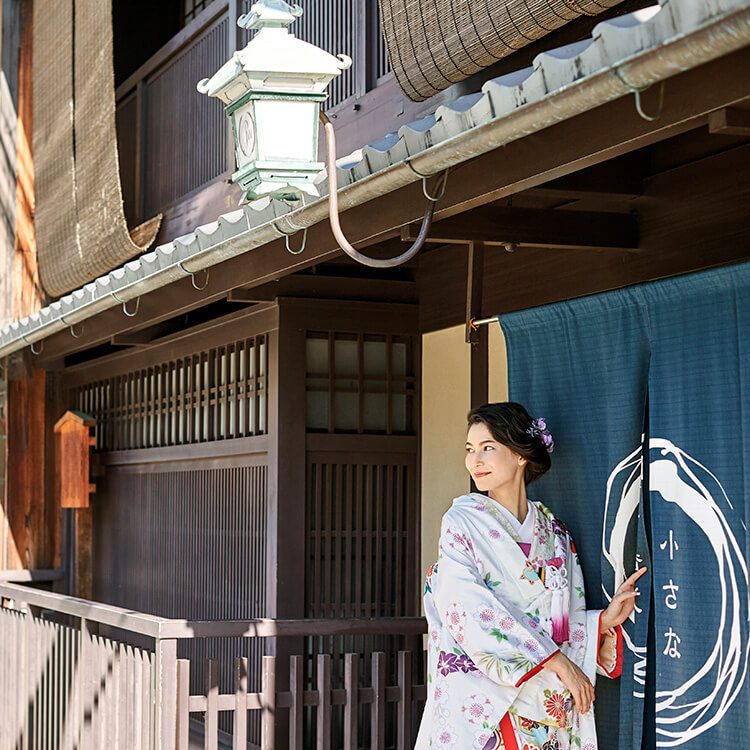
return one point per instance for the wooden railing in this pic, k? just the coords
(173, 140)
(77, 674)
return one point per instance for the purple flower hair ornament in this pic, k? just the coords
(539, 429)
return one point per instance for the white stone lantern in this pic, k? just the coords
(272, 90)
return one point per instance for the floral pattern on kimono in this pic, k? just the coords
(495, 615)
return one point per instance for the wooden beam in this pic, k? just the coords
(562, 149)
(328, 287)
(730, 121)
(133, 338)
(618, 179)
(691, 217)
(533, 227)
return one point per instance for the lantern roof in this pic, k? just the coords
(274, 59)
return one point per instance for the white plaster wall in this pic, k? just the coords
(498, 365)
(445, 402)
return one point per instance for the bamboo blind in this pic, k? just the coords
(80, 226)
(433, 44)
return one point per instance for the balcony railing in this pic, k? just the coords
(78, 674)
(173, 140)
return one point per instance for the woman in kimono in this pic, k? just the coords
(512, 651)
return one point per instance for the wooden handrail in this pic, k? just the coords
(162, 627)
(29, 576)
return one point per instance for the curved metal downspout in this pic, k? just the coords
(333, 211)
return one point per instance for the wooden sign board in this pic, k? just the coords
(74, 441)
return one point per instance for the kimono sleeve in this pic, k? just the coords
(604, 650)
(501, 641)
(601, 652)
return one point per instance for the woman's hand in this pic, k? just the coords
(572, 676)
(623, 602)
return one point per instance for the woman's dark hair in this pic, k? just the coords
(508, 423)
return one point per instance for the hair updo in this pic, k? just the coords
(508, 423)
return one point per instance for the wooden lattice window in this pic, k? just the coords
(211, 395)
(191, 8)
(360, 383)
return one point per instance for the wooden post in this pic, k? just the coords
(296, 710)
(324, 702)
(268, 720)
(351, 708)
(377, 725)
(239, 736)
(166, 692)
(183, 703)
(404, 703)
(211, 725)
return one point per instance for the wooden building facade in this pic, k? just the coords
(267, 428)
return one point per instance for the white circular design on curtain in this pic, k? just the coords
(700, 701)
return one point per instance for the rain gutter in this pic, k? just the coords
(570, 93)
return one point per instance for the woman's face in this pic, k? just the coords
(491, 464)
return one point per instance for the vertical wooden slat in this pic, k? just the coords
(317, 560)
(368, 529)
(239, 737)
(34, 682)
(338, 491)
(166, 675)
(331, 382)
(296, 711)
(360, 383)
(378, 533)
(73, 666)
(377, 721)
(5, 725)
(211, 727)
(324, 703)
(389, 529)
(85, 655)
(403, 721)
(127, 690)
(267, 739)
(107, 697)
(183, 698)
(351, 708)
(348, 547)
(389, 384)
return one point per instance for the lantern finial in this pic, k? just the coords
(269, 14)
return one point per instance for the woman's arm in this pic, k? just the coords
(609, 656)
(502, 642)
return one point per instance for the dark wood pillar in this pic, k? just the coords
(286, 490)
(476, 337)
(25, 477)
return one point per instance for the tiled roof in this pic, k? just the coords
(641, 48)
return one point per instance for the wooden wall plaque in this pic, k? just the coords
(74, 442)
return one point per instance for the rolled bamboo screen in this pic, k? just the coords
(79, 221)
(433, 44)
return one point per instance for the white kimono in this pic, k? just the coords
(495, 616)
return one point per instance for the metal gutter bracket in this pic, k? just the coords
(637, 92)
